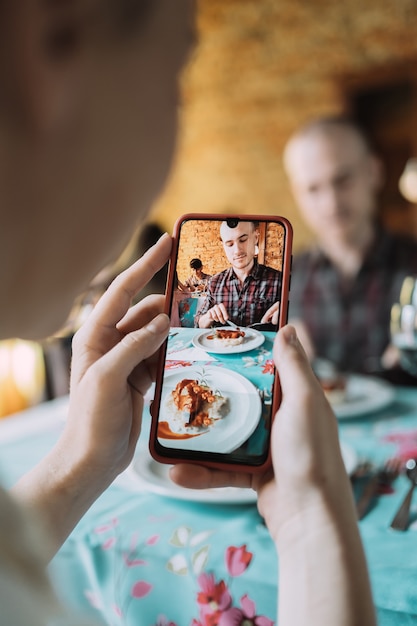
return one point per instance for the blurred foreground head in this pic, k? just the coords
(88, 117)
(335, 177)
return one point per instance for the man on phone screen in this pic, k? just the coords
(247, 292)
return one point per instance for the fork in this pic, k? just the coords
(382, 477)
(401, 519)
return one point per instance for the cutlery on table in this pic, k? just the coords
(402, 517)
(381, 478)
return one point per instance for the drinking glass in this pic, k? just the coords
(404, 325)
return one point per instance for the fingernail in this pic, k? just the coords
(290, 335)
(159, 324)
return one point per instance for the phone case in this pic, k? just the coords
(230, 414)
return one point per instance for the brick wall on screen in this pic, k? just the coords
(202, 240)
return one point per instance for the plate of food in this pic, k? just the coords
(207, 409)
(360, 395)
(227, 340)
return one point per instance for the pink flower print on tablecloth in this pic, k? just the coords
(213, 596)
(245, 616)
(406, 443)
(269, 367)
(170, 365)
(237, 560)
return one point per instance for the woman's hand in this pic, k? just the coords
(304, 440)
(306, 501)
(114, 361)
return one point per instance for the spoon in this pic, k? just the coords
(401, 519)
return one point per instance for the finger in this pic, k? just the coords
(220, 313)
(113, 305)
(291, 361)
(199, 477)
(117, 365)
(141, 313)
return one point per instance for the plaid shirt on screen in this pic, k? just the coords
(245, 303)
(349, 324)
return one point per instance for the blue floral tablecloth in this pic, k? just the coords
(138, 558)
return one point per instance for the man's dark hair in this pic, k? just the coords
(196, 264)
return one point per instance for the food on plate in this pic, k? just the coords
(227, 336)
(334, 389)
(333, 382)
(193, 406)
(194, 400)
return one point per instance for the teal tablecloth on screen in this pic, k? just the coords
(140, 559)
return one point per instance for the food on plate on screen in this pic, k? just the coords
(192, 408)
(226, 337)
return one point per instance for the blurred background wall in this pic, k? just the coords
(261, 69)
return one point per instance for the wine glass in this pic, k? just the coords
(403, 325)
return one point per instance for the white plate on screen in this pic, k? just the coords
(146, 474)
(364, 394)
(228, 433)
(252, 339)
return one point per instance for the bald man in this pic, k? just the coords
(344, 286)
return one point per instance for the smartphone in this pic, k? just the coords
(217, 390)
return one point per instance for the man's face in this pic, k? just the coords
(335, 183)
(239, 244)
(73, 191)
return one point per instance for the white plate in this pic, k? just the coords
(146, 474)
(152, 476)
(364, 394)
(252, 339)
(228, 433)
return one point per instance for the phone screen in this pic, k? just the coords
(217, 391)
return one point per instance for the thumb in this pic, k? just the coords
(134, 348)
(292, 364)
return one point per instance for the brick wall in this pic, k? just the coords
(261, 68)
(201, 239)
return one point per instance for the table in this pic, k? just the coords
(138, 558)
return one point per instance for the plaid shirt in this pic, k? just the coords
(245, 303)
(350, 324)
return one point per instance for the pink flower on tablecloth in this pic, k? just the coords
(169, 365)
(213, 596)
(237, 560)
(152, 540)
(406, 443)
(105, 527)
(140, 589)
(245, 616)
(109, 543)
(269, 367)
